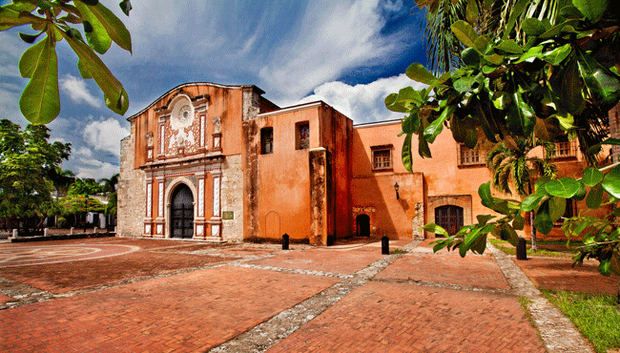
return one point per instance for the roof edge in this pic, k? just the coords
(187, 84)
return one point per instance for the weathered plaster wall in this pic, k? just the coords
(131, 191)
(232, 198)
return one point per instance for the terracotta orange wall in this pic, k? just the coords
(436, 176)
(336, 135)
(284, 177)
(223, 102)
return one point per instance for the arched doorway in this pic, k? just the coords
(450, 218)
(363, 225)
(182, 213)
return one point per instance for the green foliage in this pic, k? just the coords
(86, 186)
(524, 73)
(40, 102)
(73, 203)
(27, 160)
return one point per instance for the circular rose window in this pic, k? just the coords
(182, 113)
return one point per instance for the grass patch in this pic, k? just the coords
(398, 251)
(507, 248)
(596, 316)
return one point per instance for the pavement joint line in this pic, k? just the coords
(490, 290)
(266, 334)
(558, 333)
(293, 270)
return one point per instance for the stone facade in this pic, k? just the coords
(232, 199)
(131, 207)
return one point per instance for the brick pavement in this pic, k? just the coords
(448, 268)
(187, 312)
(393, 317)
(442, 303)
(559, 274)
(344, 261)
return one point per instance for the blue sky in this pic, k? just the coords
(350, 54)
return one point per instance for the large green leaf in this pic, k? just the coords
(532, 201)
(509, 46)
(434, 228)
(563, 187)
(611, 182)
(533, 26)
(115, 95)
(531, 54)
(592, 176)
(602, 83)
(406, 153)
(464, 84)
(557, 55)
(114, 26)
(418, 72)
(595, 196)
(593, 10)
(521, 116)
(391, 101)
(39, 101)
(30, 58)
(557, 206)
(543, 222)
(471, 57)
(433, 129)
(16, 14)
(571, 87)
(464, 32)
(471, 11)
(96, 34)
(423, 148)
(484, 191)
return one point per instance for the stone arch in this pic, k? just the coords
(170, 188)
(272, 225)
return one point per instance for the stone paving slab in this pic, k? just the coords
(343, 261)
(559, 274)
(447, 268)
(187, 312)
(393, 317)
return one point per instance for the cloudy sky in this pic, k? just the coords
(350, 54)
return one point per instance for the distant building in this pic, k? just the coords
(222, 163)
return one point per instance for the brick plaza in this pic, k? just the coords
(129, 295)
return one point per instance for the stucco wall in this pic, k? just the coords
(232, 198)
(131, 191)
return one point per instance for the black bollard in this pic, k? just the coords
(385, 245)
(521, 250)
(285, 241)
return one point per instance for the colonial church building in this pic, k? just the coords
(223, 163)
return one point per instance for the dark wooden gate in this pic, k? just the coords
(450, 218)
(182, 213)
(363, 225)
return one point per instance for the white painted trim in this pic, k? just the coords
(169, 189)
(377, 123)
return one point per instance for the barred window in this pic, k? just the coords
(266, 140)
(382, 159)
(302, 135)
(468, 156)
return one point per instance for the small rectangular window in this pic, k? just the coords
(266, 140)
(469, 156)
(302, 135)
(381, 159)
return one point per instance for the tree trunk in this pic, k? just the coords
(532, 228)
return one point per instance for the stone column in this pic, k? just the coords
(318, 196)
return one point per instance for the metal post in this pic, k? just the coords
(521, 250)
(285, 239)
(385, 245)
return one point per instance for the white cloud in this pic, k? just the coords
(332, 37)
(84, 152)
(105, 135)
(93, 168)
(77, 90)
(362, 102)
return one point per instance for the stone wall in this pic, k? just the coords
(232, 198)
(131, 191)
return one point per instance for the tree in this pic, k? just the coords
(516, 164)
(547, 78)
(57, 19)
(62, 180)
(26, 161)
